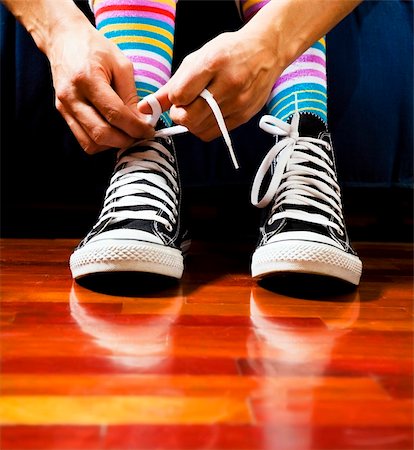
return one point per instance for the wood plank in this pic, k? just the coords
(112, 410)
(196, 437)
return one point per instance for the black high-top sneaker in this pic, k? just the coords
(303, 228)
(139, 228)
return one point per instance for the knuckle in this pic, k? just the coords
(213, 62)
(112, 115)
(90, 148)
(79, 77)
(241, 103)
(188, 61)
(59, 105)
(206, 136)
(180, 116)
(246, 99)
(126, 65)
(63, 93)
(178, 95)
(99, 134)
(186, 121)
(235, 81)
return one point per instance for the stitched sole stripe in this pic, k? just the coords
(306, 257)
(126, 257)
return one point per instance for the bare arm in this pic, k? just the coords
(292, 26)
(93, 80)
(240, 68)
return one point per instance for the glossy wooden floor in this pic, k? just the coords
(214, 362)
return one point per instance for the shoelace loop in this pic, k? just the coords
(178, 129)
(294, 182)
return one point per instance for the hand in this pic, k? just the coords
(95, 90)
(239, 71)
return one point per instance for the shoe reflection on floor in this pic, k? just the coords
(290, 349)
(139, 337)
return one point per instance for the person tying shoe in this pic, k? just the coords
(108, 81)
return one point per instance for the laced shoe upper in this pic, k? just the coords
(143, 200)
(302, 191)
(144, 194)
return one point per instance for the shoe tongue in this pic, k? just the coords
(160, 124)
(310, 125)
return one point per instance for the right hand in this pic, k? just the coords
(238, 68)
(95, 89)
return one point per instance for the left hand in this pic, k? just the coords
(239, 70)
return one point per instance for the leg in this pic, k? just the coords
(302, 86)
(303, 228)
(144, 31)
(139, 228)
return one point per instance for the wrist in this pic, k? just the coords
(269, 32)
(46, 20)
(268, 41)
(292, 26)
(62, 24)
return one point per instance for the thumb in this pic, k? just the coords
(124, 84)
(162, 97)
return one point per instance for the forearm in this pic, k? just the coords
(291, 26)
(93, 81)
(44, 18)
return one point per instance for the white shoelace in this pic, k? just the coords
(140, 177)
(178, 129)
(140, 180)
(294, 182)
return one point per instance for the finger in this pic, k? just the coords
(191, 116)
(198, 115)
(81, 136)
(200, 120)
(116, 113)
(124, 86)
(162, 97)
(208, 129)
(123, 82)
(212, 131)
(191, 77)
(98, 129)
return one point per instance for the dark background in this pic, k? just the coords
(50, 188)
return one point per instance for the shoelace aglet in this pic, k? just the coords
(232, 155)
(171, 131)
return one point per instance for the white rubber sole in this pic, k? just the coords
(126, 256)
(306, 257)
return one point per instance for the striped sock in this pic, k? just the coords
(144, 31)
(302, 86)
